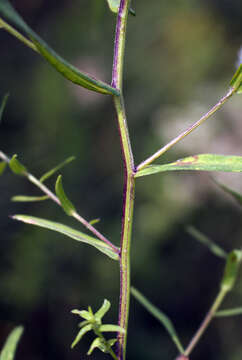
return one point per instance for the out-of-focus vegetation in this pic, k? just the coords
(180, 58)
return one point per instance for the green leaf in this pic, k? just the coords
(236, 81)
(68, 231)
(3, 165)
(111, 328)
(231, 270)
(214, 248)
(83, 313)
(94, 221)
(67, 205)
(9, 348)
(80, 334)
(66, 69)
(237, 196)
(203, 162)
(97, 343)
(160, 316)
(56, 168)
(114, 6)
(229, 312)
(24, 198)
(3, 104)
(103, 310)
(16, 166)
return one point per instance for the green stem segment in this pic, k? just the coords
(129, 182)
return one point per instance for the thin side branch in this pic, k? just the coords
(160, 152)
(53, 197)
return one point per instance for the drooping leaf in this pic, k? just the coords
(68, 231)
(25, 198)
(214, 248)
(160, 316)
(237, 196)
(80, 334)
(202, 162)
(3, 165)
(56, 168)
(103, 309)
(3, 104)
(229, 312)
(67, 205)
(66, 69)
(16, 166)
(9, 348)
(231, 270)
(236, 81)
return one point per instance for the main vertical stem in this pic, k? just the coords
(129, 170)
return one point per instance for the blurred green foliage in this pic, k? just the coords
(179, 54)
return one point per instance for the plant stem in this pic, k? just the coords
(129, 188)
(206, 321)
(17, 34)
(160, 152)
(53, 197)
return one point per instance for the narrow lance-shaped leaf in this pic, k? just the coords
(26, 198)
(237, 196)
(80, 334)
(66, 69)
(160, 316)
(3, 105)
(3, 165)
(111, 328)
(229, 312)
(231, 270)
(202, 162)
(236, 81)
(9, 348)
(16, 166)
(103, 309)
(214, 248)
(68, 231)
(67, 205)
(51, 172)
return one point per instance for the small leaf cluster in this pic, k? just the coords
(93, 322)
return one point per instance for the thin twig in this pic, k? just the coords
(53, 197)
(191, 128)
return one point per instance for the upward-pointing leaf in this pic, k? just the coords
(16, 166)
(66, 69)
(56, 168)
(203, 162)
(68, 231)
(11, 343)
(236, 81)
(67, 205)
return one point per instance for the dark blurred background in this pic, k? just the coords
(180, 58)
